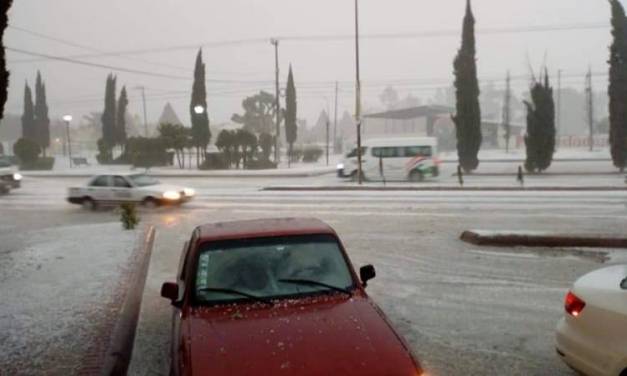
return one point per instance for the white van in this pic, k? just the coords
(394, 159)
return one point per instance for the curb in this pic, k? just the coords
(544, 240)
(120, 349)
(547, 174)
(190, 176)
(451, 161)
(440, 188)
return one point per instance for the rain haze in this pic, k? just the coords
(329, 187)
(412, 64)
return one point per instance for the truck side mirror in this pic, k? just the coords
(366, 273)
(170, 290)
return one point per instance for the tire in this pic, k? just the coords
(416, 176)
(150, 203)
(354, 174)
(89, 204)
(435, 171)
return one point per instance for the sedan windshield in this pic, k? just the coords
(142, 180)
(271, 268)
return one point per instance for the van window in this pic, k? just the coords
(353, 153)
(418, 151)
(386, 152)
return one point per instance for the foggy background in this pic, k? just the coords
(415, 66)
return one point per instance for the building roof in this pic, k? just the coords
(261, 228)
(169, 116)
(412, 113)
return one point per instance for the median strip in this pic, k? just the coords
(539, 239)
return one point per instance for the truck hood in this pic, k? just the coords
(329, 335)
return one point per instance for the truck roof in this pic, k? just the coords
(261, 228)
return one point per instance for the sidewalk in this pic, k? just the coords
(62, 293)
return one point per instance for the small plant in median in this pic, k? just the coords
(128, 216)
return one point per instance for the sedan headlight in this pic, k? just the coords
(17, 176)
(340, 166)
(172, 195)
(189, 192)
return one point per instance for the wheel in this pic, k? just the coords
(89, 204)
(435, 171)
(150, 203)
(416, 176)
(354, 175)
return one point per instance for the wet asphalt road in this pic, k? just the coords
(463, 309)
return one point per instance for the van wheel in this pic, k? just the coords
(354, 176)
(416, 176)
(150, 203)
(89, 204)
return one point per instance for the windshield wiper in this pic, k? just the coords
(236, 292)
(316, 283)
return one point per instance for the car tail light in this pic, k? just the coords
(573, 304)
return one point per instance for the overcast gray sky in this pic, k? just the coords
(414, 65)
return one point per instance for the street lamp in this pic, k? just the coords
(67, 119)
(199, 110)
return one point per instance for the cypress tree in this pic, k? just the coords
(28, 117)
(540, 137)
(200, 122)
(4, 74)
(291, 128)
(468, 117)
(109, 114)
(617, 90)
(120, 124)
(42, 122)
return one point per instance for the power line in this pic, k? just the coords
(85, 47)
(343, 37)
(122, 69)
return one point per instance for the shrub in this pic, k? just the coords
(26, 150)
(104, 155)
(147, 152)
(214, 162)
(297, 154)
(40, 164)
(260, 164)
(312, 154)
(128, 216)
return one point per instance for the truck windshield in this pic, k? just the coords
(271, 268)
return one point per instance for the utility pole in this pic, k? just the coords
(277, 154)
(335, 151)
(558, 115)
(358, 95)
(507, 112)
(327, 144)
(590, 107)
(143, 89)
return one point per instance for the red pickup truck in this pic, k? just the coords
(278, 297)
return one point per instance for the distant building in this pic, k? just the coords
(168, 115)
(432, 121)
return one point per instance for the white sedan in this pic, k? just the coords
(592, 336)
(121, 188)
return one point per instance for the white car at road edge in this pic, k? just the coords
(592, 336)
(122, 188)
